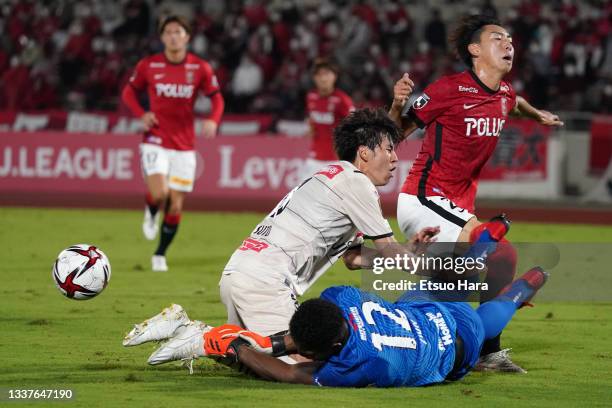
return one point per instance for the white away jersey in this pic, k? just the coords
(312, 226)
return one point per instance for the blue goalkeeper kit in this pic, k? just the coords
(398, 344)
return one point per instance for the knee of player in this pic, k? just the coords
(471, 230)
(159, 196)
(174, 208)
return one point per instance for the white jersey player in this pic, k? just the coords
(326, 218)
(307, 232)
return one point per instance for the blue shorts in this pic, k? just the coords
(471, 331)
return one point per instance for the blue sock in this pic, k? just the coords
(484, 246)
(518, 293)
(497, 313)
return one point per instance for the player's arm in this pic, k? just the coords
(359, 257)
(526, 110)
(311, 130)
(256, 352)
(362, 257)
(401, 92)
(271, 368)
(210, 87)
(210, 125)
(129, 96)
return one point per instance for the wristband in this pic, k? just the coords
(278, 345)
(234, 346)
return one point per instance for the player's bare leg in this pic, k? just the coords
(464, 236)
(501, 269)
(172, 218)
(157, 193)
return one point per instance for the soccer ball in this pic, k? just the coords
(81, 271)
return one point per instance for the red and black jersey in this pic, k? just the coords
(324, 114)
(463, 120)
(172, 89)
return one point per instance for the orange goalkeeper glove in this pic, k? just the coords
(272, 345)
(217, 341)
(257, 341)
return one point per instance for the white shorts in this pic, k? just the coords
(178, 165)
(258, 306)
(414, 214)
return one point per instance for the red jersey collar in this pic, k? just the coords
(482, 84)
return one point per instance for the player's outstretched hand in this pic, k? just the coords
(217, 341)
(420, 241)
(149, 120)
(548, 118)
(427, 234)
(257, 341)
(209, 128)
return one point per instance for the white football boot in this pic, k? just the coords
(150, 224)
(187, 345)
(499, 361)
(162, 326)
(158, 263)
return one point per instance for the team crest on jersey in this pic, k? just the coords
(421, 101)
(189, 77)
(504, 106)
(331, 171)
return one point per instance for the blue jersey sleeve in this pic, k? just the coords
(372, 372)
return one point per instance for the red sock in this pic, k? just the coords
(149, 200)
(168, 231)
(172, 219)
(495, 228)
(151, 204)
(501, 267)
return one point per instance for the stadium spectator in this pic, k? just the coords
(569, 35)
(435, 31)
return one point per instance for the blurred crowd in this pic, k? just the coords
(67, 54)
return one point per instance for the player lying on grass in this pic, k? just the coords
(463, 115)
(324, 219)
(356, 339)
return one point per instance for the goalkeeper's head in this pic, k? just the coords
(318, 329)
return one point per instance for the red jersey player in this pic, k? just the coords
(464, 115)
(172, 80)
(326, 106)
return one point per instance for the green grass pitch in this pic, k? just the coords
(48, 341)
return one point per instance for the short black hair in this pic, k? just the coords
(174, 18)
(324, 63)
(363, 127)
(316, 326)
(467, 32)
